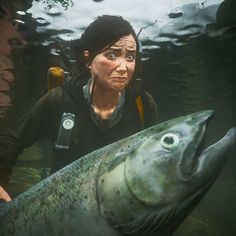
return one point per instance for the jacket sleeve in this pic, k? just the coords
(9, 149)
(36, 124)
(151, 115)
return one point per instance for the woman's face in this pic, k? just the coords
(114, 67)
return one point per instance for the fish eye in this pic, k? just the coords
(169, 141)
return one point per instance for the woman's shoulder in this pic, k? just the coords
(55, 94)
(52, 97)
(143, 96)
(149, 97)
(150, 108)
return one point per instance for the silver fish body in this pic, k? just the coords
(145, 184)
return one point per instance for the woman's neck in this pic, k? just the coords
(104, 102)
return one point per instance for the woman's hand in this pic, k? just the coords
(4, 195)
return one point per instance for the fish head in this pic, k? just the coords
(154, 185)
(160, 170)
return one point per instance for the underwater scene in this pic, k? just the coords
(188, 50)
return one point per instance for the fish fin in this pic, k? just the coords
(147, 223)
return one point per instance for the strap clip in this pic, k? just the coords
(65, 131)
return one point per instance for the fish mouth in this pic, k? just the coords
(189, 162)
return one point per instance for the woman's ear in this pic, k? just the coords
(86, 55)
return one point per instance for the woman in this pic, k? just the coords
(106, 100)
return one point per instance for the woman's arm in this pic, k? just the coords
(4, 197)
(38, 123)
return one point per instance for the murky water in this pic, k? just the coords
(189, 56)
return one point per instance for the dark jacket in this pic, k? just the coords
(43, 121)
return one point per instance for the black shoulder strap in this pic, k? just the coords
(69, 104)
(67, 123)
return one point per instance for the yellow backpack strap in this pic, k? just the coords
(55, 77)
(140, 108)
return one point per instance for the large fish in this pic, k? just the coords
(145, 184)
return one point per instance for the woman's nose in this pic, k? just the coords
(121, 67)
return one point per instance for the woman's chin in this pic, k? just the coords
(119, 86)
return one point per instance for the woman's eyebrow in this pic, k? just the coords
(117, 48)
(131, 49)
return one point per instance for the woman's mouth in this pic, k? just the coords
(120, 79)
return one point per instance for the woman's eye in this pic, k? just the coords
(111, 55)
(130, 57)
(170, 141)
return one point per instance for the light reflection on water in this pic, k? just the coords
(189, 65)
(49, 16)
